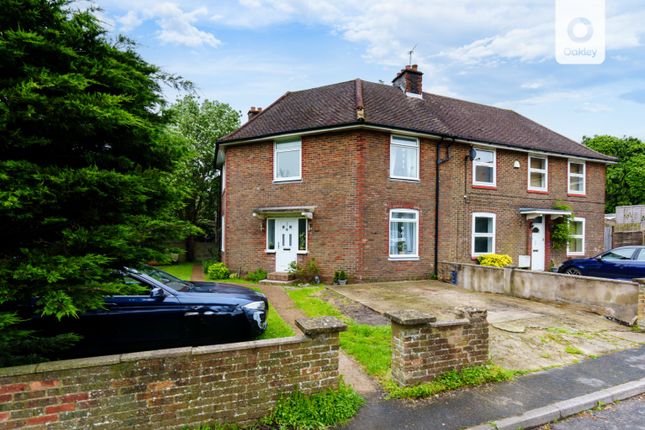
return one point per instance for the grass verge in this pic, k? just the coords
(319, 411)
(467, 377)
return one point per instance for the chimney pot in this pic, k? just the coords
(253, 112)
(410, 80)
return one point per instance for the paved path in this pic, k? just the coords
(198, 273)
(495, 401)
(352, 372)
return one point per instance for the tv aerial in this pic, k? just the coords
(410, 52)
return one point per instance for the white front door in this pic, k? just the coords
(537, 244)
(286, 243)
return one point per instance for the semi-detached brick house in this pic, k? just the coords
(383, 181)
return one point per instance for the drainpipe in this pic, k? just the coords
(436, 202)
(218, 220)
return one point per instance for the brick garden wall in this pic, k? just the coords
(234, 383)
(423, 348)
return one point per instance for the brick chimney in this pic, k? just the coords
(253, 112)
(409, 80)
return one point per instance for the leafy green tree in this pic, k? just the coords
(626, 179)
(199, 125)
(86, 163)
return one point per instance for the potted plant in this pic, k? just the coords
(340, 277)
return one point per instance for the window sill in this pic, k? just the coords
(412, 180)
(407, 258)
(287, 181)
(269, 251)
(576, 254)
(576, 195)
(537, 191)
(485, 187)
(303, 252)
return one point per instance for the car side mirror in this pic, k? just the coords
(157, 293)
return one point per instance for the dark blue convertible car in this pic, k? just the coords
(626, 262)
(162, 311)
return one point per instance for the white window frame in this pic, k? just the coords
(404, 142)
(277, 151)
(473, 235)
(578, 236)
(582, 175)
(481, 163)
(399, 257)
(266, 236)
(222, 248)
(306, 250)
(544, 171)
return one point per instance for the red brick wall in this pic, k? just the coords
(421, 351)
(329, 175)
(176, 388)
(346, 176)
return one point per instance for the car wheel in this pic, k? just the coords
(573, 271)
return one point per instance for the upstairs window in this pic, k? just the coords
(483, 234)
(484, 167)
(538, 174)
(404, 234)
(287, 161)
(404, 158)
(576, 245)
(576, 177)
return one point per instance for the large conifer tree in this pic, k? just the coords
(85, 164)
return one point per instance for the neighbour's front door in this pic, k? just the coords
(537, 244)
(286, 243)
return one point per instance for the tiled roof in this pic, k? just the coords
(385, 105)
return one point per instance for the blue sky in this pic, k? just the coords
(497, 52)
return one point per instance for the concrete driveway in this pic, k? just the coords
(524, 334)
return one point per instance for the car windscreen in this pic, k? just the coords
(167, 279)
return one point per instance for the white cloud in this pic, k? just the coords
(129, 21)
(177, 26)
(532, 85)
(594, 108)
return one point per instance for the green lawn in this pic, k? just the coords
(369, 345)
(181, 270)
(276, 326)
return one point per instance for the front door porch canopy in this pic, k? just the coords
(536, 212)
(285, 211)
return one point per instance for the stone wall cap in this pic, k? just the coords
(410, 317)
(450, 323)
(320, 325)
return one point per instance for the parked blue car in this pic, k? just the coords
(626, 262)
(161, 311)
